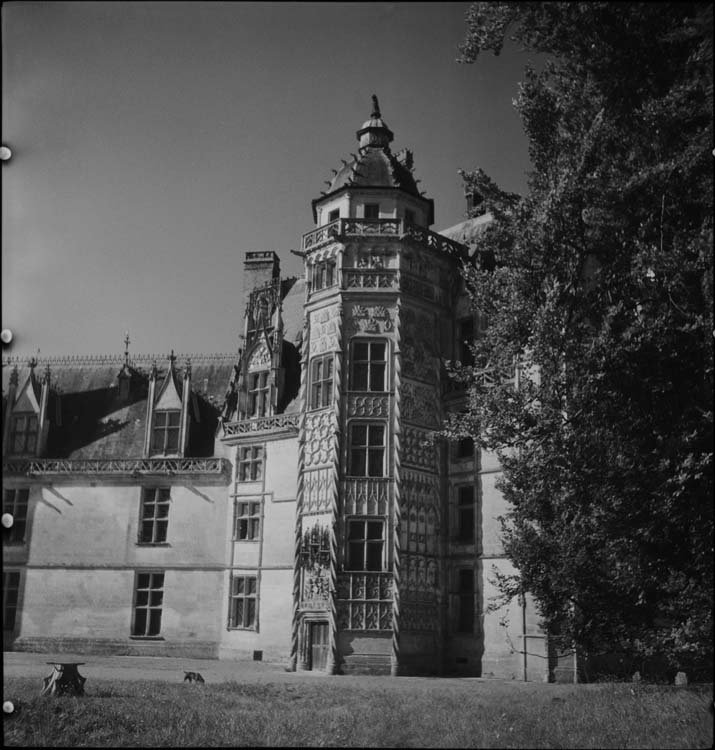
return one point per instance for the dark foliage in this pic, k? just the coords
(602, 296)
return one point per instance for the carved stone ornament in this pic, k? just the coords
(316, 588)
(368, 406)
(377, 319)
(418, 451)
(316, 491)
(324, 330)
(260, 358)
(419, 404)
(318, 438)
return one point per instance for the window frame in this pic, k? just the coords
(10, 599)
(366, 449)
(150, 606)
(165, 430)
(460, 454)
(252, 516)
(373, 547)
(13, 503)
(333, 215)
(248, 466)
(321, 389)
(325, 274)
(31, 419)
(258, 391)
(244, 598)
(466, 508)
(369, 209)
(159, 497)
(370, 363)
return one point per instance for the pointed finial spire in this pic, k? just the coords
(14, 376)
(46, 377)
(375, 107)
(126, 347)
(187, 367)
(32, 364)
(172, 358)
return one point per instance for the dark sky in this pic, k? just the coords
(155, 143)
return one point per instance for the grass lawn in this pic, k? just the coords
(324, 712)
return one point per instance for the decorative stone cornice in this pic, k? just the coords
(127, 467)
(280, 425)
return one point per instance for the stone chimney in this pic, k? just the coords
(259, 269)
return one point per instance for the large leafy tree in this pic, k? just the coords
(598, 283)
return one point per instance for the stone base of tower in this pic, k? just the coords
(364, 653)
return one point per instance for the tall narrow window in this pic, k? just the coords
(10, 589)
(465, 598)
(321, 381)
(250, 463)
(369, 365)
(165, 436)
(334, 215)
(324, 274)
(465, 514)
(15, 503)
(367, 449)
(148, 602)
(154, 515)
(372, 210)
(242, 606)
(258, 390)
(24, 433)
(365, 544)
(247, 521)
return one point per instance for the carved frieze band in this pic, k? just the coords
(420, 404)
(368, 406)
(364, 601)
(418, 448)
(367, 497)
(370, 319)
(319, 443)
(324, 330)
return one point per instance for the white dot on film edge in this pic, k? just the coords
(6, 335)
(7, 520)
(8, 707)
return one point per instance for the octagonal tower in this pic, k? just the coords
(369, 577)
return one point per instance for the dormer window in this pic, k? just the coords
(25, 429)
(334, 215)
(165, 435)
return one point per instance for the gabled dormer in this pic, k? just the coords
(26, 419)
(168, 412)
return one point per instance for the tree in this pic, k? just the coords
(600, 289)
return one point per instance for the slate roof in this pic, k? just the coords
(88, 419)
(375, 167)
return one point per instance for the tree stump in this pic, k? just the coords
(64, 679)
